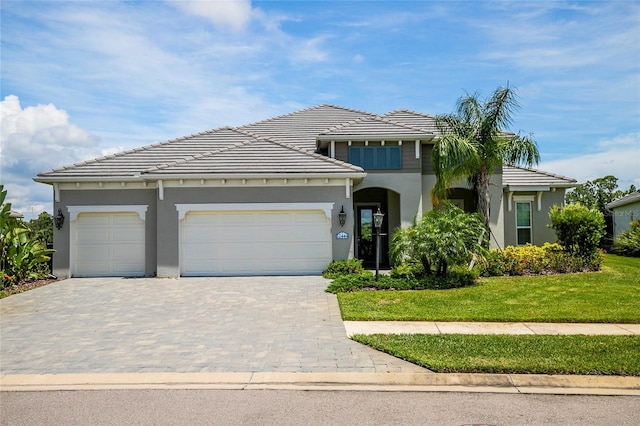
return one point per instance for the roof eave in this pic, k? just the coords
(286, 175)
(66, 179)
(375, 137)
(544, 187)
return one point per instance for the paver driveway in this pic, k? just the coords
(238, 324)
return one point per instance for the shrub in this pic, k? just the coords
(456, 277)
(407, 270)
(534, 260)
(578, 229)
(628, 243)
(338, 268)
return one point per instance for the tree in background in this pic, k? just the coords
(473, 145)
(42, 228)
(596, 194)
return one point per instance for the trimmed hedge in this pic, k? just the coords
(338, 268)
(455, 278)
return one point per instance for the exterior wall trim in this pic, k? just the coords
(183, 209)
(140, 209)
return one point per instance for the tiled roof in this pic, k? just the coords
(255, 156)
(414, 119)
(298, 130)
(369, 126)
(627, 199)
(301, 128)
(138, 160)
(524, 176)
(283, 144)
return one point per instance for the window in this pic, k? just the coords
(376, 157)
(523, 222)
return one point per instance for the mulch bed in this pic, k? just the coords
(26, 286)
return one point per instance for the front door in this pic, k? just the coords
(366, 249)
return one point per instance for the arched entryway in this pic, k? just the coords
(463, 198)
(365, 203)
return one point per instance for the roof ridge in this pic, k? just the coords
(301, 150)
(410, 112)
(376, 118)
(267, 120)
(542, 172)
(199, 155)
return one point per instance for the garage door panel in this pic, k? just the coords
(254, 242)
(124, 236)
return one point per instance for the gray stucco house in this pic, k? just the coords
(267, 197)
(625, 210)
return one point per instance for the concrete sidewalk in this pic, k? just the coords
(405, 382)
(431, 327)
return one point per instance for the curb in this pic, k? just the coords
(406, 382)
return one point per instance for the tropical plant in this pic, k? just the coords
(578, 228)
(21, 253)
(474, 144)
(443, 236)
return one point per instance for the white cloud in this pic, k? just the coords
(618, 156)
(224, 14)
(35, 139)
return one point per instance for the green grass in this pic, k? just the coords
(611, 295)
(525, 354)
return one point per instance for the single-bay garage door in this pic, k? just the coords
(107, 244)
(267, 242)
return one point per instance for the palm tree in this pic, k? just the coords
(473, 145)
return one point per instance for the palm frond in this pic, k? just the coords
(520, 150)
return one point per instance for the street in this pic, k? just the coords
(280, 407)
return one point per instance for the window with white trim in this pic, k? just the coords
(523, 222)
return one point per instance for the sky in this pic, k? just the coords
(83, 79)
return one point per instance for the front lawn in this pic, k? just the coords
(609, 296)
(524, 354)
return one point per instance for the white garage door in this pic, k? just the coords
(107, 244)
(254, 242)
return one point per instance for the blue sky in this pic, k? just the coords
(81, 79)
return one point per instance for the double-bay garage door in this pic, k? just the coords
(254, 242)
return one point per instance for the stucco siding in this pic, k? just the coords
(408, 186)
(61, 237)
(623, 216)
(541, 233)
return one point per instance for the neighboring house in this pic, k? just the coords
(269, 197)
(625, 210)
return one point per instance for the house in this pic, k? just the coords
(625, 210)
(280, 196)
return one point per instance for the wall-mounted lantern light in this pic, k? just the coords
(59, 219)
(342, 217)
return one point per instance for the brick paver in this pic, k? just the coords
(237, 324)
